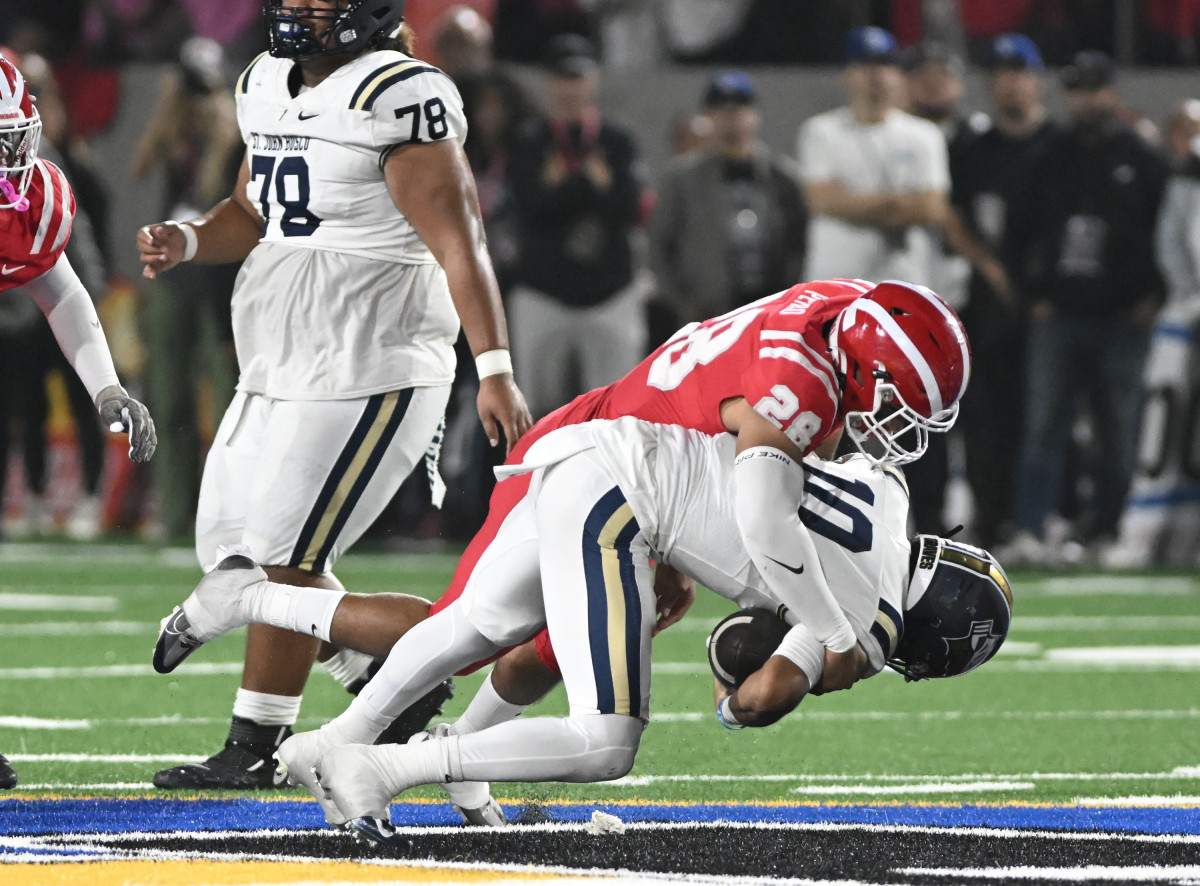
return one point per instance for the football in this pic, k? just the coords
(741, 643)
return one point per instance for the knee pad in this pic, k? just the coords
(611, 744)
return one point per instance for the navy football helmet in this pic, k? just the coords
(349, 26)
(957, 610)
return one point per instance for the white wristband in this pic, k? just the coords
(726, 717)
(192, 242)
(495, 362)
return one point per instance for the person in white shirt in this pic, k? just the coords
(876, 178)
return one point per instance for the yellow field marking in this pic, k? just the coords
(246, 873)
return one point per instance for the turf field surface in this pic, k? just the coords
(1085, 724)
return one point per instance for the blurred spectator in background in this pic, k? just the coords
(1182, 128)
(690, 131)
(1161, 522)
(193, 140)
(933, 78)
(875, 177)
(729, 224)
(933, 84)
(1082, 233)
(496, 108)
(988, 163)
(576, 307)
(462, 43)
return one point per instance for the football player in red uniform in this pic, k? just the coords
(36, 211)
(786, 374)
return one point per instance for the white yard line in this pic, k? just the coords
(60, 602)
(191, 669)
(78, 628)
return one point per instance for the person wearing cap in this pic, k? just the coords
(577, 300)
(1081, 233)
(933, 79)
(875, 177)
(988, 159)
(729, 224)
(1161, 521)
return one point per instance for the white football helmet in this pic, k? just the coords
(20, 136)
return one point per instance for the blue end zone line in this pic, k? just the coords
(118, 815)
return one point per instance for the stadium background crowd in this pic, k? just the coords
(678, 185)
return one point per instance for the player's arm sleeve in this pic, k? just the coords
(72, 316)
(769, 487)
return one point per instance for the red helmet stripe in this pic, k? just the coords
(900, 337)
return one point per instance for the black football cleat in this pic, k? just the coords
(413, 719)
(8, 775)
(378, 832)
(213, 608)
(246, 763)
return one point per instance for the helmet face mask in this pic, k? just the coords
(957, 610)
(905, 361)
(346, 26)
(20, 136)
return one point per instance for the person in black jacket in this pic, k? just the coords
(1083, 244)
(576, 307)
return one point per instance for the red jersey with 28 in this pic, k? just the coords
(31, 241)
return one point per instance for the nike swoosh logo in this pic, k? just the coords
(6, 270)
(173, 626)
(796, 569)
(95, 324)
(303, 116)
(314, 630)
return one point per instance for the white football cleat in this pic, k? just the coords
(216, 606)
(355, 778)
(470, 799)
(298, 757)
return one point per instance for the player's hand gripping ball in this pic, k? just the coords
(741, 643)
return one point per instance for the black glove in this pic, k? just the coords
(120, 412)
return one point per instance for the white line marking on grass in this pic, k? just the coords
(103, 758)
(1130, 874)
(1076, 623)
(1166, 657)
(96, 786)
(57, 601)
(77, 628)
(1133, 585)
(198, 669)
(923, 787)
(35, 723)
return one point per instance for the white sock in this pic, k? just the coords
(265, 709)
(486, 709)
(358, 724)
(346, 666)
(435, 761)
(293, 608)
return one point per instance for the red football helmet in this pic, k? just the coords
(906, 360)
(20, 135)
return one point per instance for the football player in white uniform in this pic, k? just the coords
(357, 217)
(607, 498)
(37, 208)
